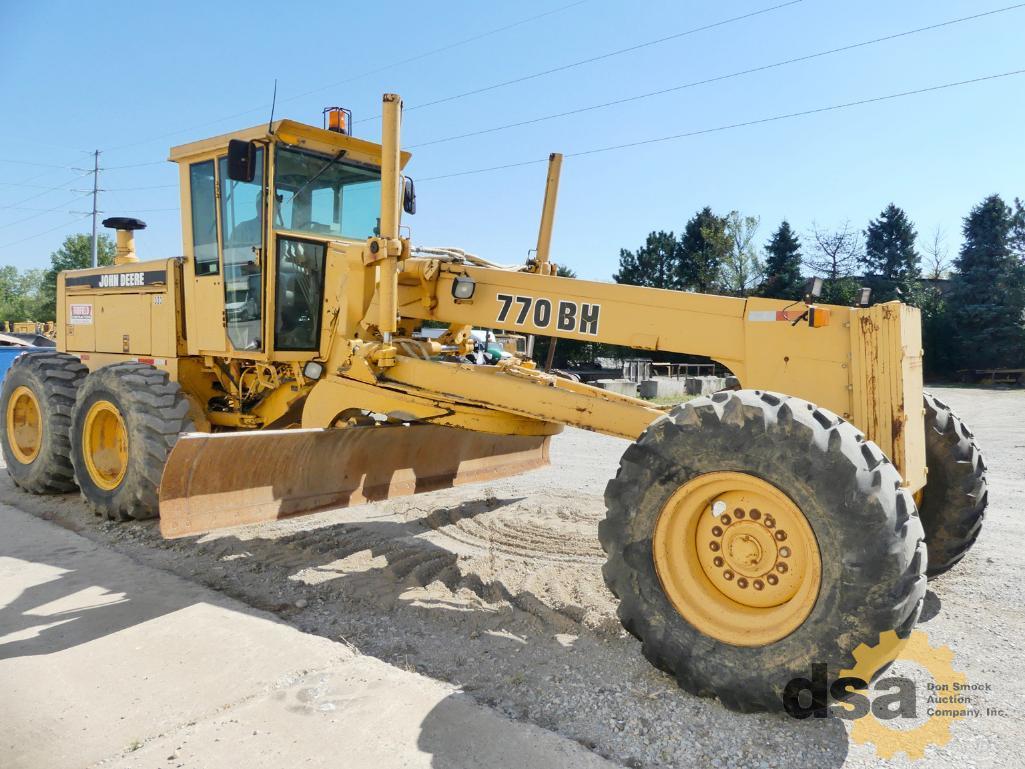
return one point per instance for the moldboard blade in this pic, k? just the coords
(216, 480)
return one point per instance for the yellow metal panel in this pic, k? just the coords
(886, 355)
(123, 323)
(658, 319)
(163, 319)
(909, 409)
(76, 328)
(811, 363)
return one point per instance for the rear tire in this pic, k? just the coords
(36, 401)
(126, 420)
(953, 502)
(869, 541)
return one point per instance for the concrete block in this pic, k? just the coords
(621, 386)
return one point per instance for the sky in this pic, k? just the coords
(133, 79)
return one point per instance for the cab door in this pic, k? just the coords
(227, 259)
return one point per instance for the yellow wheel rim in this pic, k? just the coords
(24, 425)
(105, 445)
(737, 558)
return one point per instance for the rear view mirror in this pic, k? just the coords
(408, 195)
(241, 160)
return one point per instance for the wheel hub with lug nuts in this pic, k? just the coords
(747, 558)
(737, 558)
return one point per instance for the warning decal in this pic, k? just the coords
(80, 314)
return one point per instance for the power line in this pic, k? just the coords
(51, 145)
(25, 182)
(46, 190)
(33, 163)
(132, 189)
(42, 211)
(720, 78)
(134, 165)
(24, 208)
(744, 124)
(36, 186)
(367, 73)
(443, 49)
(44, 232)
(593, 59)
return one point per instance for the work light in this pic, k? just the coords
(463, 287)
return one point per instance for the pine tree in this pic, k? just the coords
(988, 291)
(783, 278)
(892, 265)
(940, 357)
(704, 247)
(655, 264)
(1018, 230)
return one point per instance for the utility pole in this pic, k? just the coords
(96, 190)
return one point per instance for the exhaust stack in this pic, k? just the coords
(126, 227)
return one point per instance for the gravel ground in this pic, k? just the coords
(498, 589)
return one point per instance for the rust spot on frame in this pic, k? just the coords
(897, 432)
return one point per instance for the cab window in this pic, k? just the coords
(204, 218)
(300, 291)
(325, 195)
(242, 245)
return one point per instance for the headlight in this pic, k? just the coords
(463, 288)
(313, 370)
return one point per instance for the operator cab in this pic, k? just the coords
(261, 209)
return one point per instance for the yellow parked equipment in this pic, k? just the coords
(281, 366)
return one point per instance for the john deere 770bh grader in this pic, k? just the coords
(277, 368)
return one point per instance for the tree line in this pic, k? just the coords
(973, 306)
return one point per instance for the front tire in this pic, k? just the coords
(36, 401)
(126, 420)
(850, 530)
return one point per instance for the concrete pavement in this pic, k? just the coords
(107, 662)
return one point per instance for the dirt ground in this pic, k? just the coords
(498, 589)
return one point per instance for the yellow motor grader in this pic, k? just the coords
(280, 367)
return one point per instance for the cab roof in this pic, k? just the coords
(293, 133)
